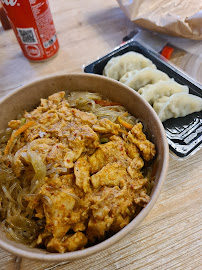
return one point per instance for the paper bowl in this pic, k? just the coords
(28, 97)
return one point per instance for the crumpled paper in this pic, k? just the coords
(182, 18)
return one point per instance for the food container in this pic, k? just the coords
(184, 134)
(28, 97)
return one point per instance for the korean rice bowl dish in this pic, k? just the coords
(73, 172)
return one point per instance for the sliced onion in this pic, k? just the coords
(38, 165)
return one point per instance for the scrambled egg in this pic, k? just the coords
(90, 189)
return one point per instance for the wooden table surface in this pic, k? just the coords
(170, 237)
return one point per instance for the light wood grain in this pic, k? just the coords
(170, 236)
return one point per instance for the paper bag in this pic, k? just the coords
(182, 18)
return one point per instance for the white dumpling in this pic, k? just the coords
(128, 76)
(152, 92)
(146, 76)
(177, 105)
(120, 65)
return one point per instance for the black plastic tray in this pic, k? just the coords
(184, 134)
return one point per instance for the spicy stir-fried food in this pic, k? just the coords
(72, 172)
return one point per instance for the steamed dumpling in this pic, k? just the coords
(177, 105)
(152, 92)
(118, 66)
(128, 76)
(146, 76)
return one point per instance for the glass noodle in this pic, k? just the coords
(85, 101)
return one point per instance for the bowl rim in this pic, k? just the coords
(70, 256)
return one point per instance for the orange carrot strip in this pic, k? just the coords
(125, 124)
(18, 132)
(107, 103)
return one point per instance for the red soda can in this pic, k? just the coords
(33, 25)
